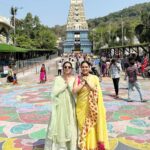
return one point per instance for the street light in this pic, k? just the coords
(101, 38)
(93, 38)
(109, 34)
(122, 32)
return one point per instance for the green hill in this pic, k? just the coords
(131, 17)
(132, 13)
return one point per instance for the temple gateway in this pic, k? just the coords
(77, 30)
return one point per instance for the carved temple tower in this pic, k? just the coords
(77, 29)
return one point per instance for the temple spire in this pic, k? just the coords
(77, 39)
(76, 17)
(76, 1)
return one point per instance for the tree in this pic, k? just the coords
(46, 38)
(28, 24)
(142, 30)
(24, 42)
(36, 21)
(31, 34)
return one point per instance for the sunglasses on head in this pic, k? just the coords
(69, 67)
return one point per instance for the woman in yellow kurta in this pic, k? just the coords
(90, 111)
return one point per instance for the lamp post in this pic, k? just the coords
(93, 38)
(101, 38)
(122, 31)
(109, 34)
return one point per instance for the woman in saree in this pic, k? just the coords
(62, 129)
(43, 74)
(90, 111)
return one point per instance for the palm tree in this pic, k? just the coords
(13, 12)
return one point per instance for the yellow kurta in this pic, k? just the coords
(95, 134)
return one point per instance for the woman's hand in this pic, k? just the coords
(78, 85)
(66, 84)
(92, 87)
(83, 82)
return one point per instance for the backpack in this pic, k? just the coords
(132, 74)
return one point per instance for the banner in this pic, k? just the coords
(5, 69)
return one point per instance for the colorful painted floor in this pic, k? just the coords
(25, 110)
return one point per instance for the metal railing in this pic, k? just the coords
(23, 65)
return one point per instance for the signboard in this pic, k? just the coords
(5, 69)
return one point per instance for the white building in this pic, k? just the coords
(5, 28)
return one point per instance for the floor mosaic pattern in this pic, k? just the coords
(26, 108)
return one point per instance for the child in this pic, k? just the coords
(15, 79)
(132, 72)
(10, 74)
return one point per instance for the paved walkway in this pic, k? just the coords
(25, 110)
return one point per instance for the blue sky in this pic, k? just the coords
(55, 12)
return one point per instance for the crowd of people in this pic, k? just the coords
(106, 67)
(78, 119)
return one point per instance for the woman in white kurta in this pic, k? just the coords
(62, 129)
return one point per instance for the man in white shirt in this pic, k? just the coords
(59, 67)
(115, 69)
